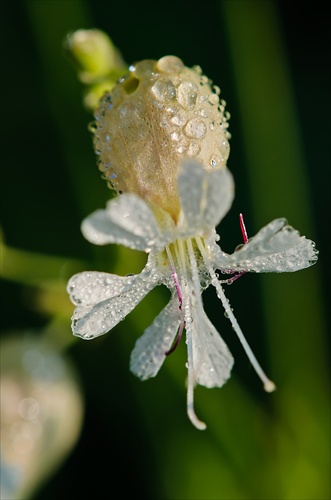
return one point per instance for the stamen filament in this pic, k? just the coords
(177, 340)
(269, 386)
(191, 382)
(189, 332)
(243, 228)
(175, 277)
(231, 280)
(180, 298)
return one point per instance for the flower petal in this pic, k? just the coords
(209, 359)
(205, 196)
(106, 300)
(91, 287)
(127, 221)
(277, 247)
(148, 354)
(212, 360)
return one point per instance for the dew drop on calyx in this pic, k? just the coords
(215, 161)
(213, 99)
(196, 128)
(170, 64)
(164, 90)
(187, 94)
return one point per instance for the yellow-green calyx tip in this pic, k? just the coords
(158, 114)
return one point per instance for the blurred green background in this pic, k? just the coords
(271, 60)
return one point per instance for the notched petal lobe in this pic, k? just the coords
(205, 196)
(277, 247)
(100, 311)
(127, 221)
(148, 354)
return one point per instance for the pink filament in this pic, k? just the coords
(229, 281)
(177, 340)
(243, 228)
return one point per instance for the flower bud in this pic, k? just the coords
(159, 114)
(94, 54)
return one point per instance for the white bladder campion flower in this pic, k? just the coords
(162, 141)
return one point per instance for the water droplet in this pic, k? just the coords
(187, 94)
(164, 90)
(172, 110)
(183, 144)
(197, 69)
(204, 79)
(193, 149)
(175, 136)
(224, 149)
(196, 128)
(29, 408)
(181, 149)
(213, 99)
(92, 127)
(179, 119)
(170, 64)
(203, 113)
(226, 314)
(215, 161)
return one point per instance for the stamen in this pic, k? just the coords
(229, 281)
(191, 382)
(181, 257)
(189, 333)
(190, 406)
(177, 340)
(180, 299)
(175, 278)
(243, 228)
(269, 386)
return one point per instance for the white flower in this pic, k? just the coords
(184, 256)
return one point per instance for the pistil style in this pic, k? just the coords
(269, 386)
